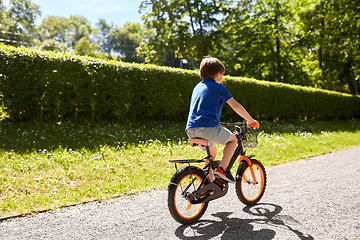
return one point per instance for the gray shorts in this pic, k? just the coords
(214, 135)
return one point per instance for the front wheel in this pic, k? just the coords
(186, 180)
(247, 190)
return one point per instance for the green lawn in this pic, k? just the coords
(49, 165)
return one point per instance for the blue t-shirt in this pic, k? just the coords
(206, 104)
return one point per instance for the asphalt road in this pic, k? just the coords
(318, 198)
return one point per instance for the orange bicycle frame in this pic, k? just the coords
(248, 161)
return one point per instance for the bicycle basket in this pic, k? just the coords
(250, 138)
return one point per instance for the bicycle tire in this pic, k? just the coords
(248, 192)
(180, 208)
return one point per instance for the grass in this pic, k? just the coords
(49, 165)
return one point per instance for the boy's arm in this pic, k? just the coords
(239, 109)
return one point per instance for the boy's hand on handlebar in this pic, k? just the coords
(253, 124)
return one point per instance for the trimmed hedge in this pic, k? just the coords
(37, 85)
(270, 100)
(53, 86)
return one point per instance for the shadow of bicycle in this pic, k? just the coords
(236, 228)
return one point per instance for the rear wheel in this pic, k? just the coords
(186, 181)
(247, 190)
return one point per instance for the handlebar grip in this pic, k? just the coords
(254, 125)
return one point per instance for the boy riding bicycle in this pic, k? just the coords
(204, 115)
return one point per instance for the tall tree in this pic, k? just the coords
(2, 12)
(79, 27)
(187, 27)
(59, 33)
(264, 43)
(18, 21)
(52, 34)
(128, 38)
(84, 47)
(2, 16)
(342, 42)
(121, 41)
(332, 29)
(105, 36)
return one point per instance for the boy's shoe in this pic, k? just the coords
(224, 174)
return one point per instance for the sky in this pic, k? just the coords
(117, 12)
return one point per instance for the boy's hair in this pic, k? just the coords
(209, 67)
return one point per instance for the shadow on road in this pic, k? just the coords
(266, 215)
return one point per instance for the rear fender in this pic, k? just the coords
(178, 172)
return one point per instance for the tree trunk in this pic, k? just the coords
(278, 59)
(320, 57)
(350, 79)
(322, 28)
(350, 84)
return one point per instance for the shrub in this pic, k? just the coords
(37, 85)
(269, 100)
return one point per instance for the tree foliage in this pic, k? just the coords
(332, 31)
(59, 33)
(265, 41)
(308, 42)
(190, 28)
(122, 41)
(17, 21)
(84, 47)
(304, 42)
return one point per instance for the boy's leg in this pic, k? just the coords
(229, 149)
(228, 152)
(218, 135)
(213, 155)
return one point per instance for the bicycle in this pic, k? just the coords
(190, 190)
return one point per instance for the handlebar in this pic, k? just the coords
(233, 124)
(236, 124)
(246, 135)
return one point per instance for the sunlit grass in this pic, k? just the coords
(48, 165)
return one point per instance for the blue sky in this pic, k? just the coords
(116, 11)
